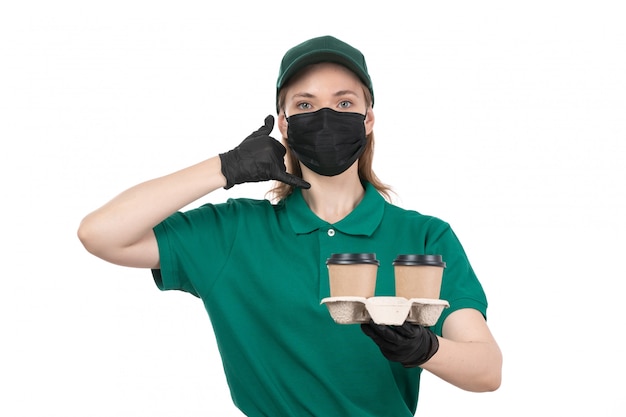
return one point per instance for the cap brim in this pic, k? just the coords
(317, 57)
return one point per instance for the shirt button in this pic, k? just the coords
(331, 232)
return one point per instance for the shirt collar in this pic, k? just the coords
(363, 220)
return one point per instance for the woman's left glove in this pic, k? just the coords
(410, 344)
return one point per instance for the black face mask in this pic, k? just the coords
(326, 141)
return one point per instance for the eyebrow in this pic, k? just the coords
(337, 94)
(305, 95)
(345, 93)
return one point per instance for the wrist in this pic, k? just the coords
(224, 173)
(428, 348)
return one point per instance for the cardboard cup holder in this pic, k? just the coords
(385, 310)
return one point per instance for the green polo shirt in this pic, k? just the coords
(260, 270)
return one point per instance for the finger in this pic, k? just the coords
(299, 182)
(367, 329)
(409, 330)
(387, 347)
(370, 331)
(389, 334)
(292, 180)
(268, 126)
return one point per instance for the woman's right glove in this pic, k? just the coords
(259, 157)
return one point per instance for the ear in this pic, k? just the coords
(369, 121)
(282, 124)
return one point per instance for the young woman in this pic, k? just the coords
(286, 356)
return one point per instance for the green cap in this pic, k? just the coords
(323, 49)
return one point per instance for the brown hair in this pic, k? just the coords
(366, 173)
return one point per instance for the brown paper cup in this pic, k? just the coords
(418, 276)
(352, 274)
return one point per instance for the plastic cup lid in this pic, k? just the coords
(352, 258)
(414, 259)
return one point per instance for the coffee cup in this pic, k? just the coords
(352, 274)
(418, 276)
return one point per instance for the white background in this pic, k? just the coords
(506, 119)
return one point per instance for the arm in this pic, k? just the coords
(468, 355)
(121, 231)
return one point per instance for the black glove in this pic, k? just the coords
(258, 158)
(409, 344)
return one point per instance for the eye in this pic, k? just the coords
(345, 104)
(304, 106)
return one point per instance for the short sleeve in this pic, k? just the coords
(460, 285)
(193, 247)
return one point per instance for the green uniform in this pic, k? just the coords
(260, 271)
